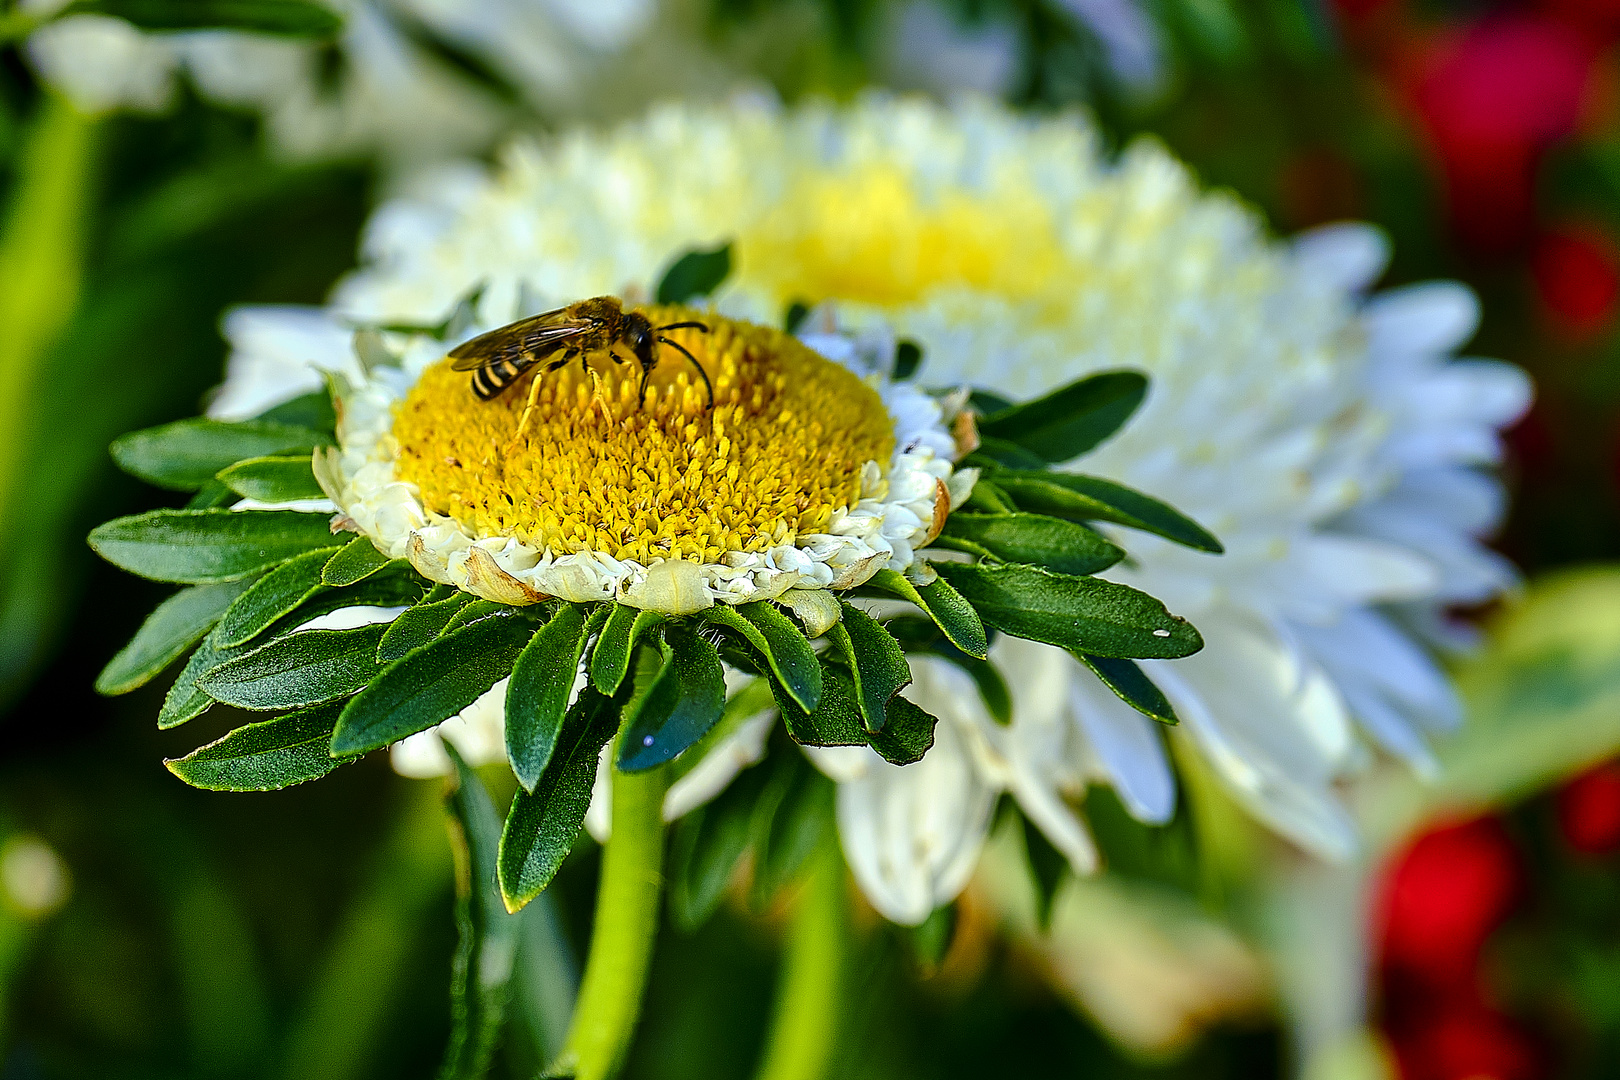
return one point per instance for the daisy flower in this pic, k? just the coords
(1327, 435)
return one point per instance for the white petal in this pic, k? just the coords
(1349, 255)
(1129, 748)
(1426, 319)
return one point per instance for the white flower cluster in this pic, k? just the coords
(1329, 437)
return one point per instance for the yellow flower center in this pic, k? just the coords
(869, 235)
(780, 453)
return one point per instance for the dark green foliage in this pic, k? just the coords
(281, 478)
(356, 561)
(272, 596)
(542, 824)
(1065, 546)
(920, 635)
(683, 702)
(907, 733)
(1134, 688)
(422, 623)
(487, 945)
(1072, 419)
(877, 664)
(265, 756)
(1087, 614)
(941, 602)
(305, 668)
(695, 274)
(430, 684)
(782, 645)
(202, 547)
(615, 647)
(1088, 498)
(188, 454)
(178, 623)
(537, 696)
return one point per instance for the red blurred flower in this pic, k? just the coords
(1589, 810)
(1494, 99)
(1577, 277)
(1466, 1040)
(1443, 896)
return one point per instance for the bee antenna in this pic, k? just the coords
(683, 326)
(707, 384)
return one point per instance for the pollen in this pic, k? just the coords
(592, 469)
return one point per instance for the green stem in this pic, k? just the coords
(804, 1030)
(626, 925)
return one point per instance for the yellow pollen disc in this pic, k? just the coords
(781, 451)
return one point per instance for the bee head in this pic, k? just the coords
(637, 333)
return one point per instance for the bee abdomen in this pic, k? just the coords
(490, 380)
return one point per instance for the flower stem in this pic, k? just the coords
(626, 925)
(804, 1030)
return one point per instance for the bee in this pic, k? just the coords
(499, 358)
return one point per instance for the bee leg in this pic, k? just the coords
(641, 392)
(617, 359)
(534, 399)
(704, 374)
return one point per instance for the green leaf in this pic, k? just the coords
(273, 479)
(922, 636)
(541, 826)
(272, 596)
(1087, 498)
(178, 623)
(431, 684)
(939, 601)
(1000, 452)
(1132, 687)
(355, 561)
(477, 612)
(266, 756)
(313, 410)
(682, 704)
(836, 719)
(908, 735)
(791, 659)
(211, 496)
(931, 939)
(1083, 613)
(695, 274)
(284, 18)
(486, 950)
(422, 623)
(706, 844)
(987, 498)
(1072, 419)
(185, 700)
(306, 668)
(610, 660)
(187, 454)
(1065, 546)
(203, 547)
(875, 660)
(908, 356)
(792, 816)
(537, 696)
(1047, 867)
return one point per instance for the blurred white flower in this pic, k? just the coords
(411, 80)
(1327, 437)
(34, 881)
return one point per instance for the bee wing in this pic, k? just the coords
(538, 335)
